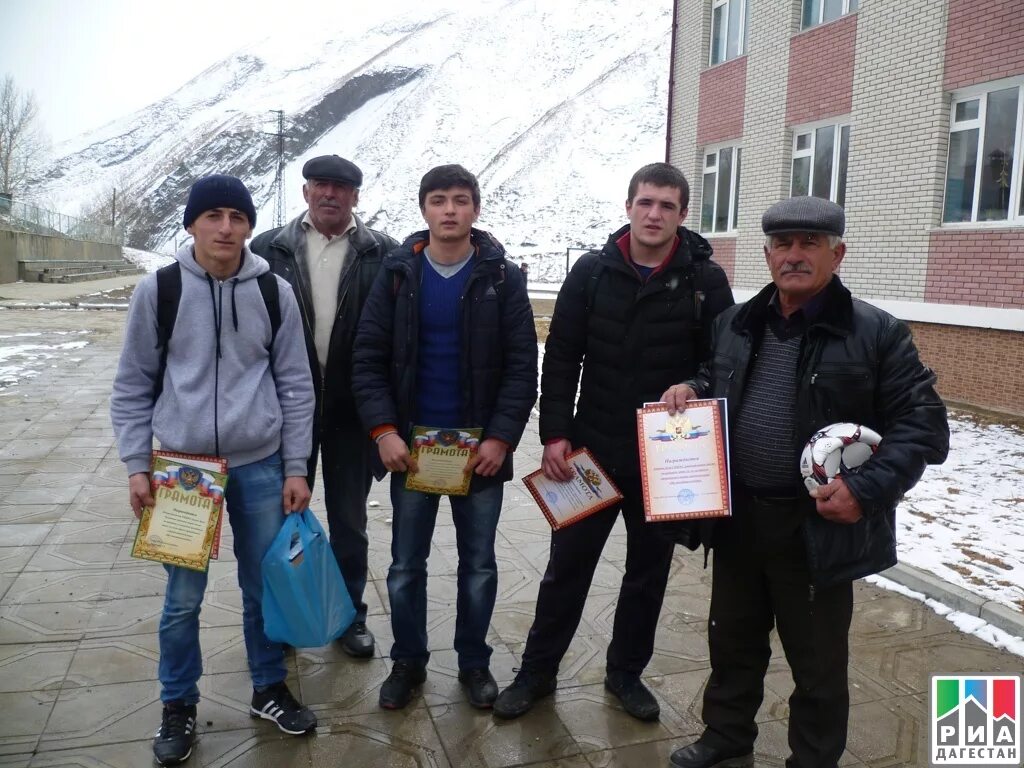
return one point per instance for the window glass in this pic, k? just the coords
(844, 156)
(812, 10)
(803, 141)
(824, 146)
(963, 153)
(733, 49)
(801, 176)
(853, 5)
(707, 202)
(718, 34)
(997, 155)
(967, 110)
(724, 178)
(833, 10)
(736, 191)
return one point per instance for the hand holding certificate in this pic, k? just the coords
(588, 491)
(442, 457)
(683, 461)
(183, 525)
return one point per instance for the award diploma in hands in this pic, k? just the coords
(182, 525)
(683, 457)
(571, 485)
(443, 460)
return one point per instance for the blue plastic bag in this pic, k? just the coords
(305, 601)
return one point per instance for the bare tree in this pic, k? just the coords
(22, 143)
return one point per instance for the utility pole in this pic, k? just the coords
(279, 177)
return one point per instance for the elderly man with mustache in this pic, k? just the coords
(800, 355)
(331, 258)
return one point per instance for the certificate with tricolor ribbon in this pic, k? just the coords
(183, 525)
(442, 456)
(684, 464)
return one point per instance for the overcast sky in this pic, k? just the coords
(92, 61)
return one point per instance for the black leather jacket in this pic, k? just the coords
(858, 364)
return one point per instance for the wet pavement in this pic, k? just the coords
(78, 621)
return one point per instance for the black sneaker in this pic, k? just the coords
(357, 641)
(172, 744)
(397, 690)
(276, 703)
(526, 689)
(636, 699)
(480, 684)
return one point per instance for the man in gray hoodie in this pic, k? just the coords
(227, 387)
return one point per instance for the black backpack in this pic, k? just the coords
(168, 296)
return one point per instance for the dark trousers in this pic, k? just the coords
(575, 552)
(761, 579)
(347, 476)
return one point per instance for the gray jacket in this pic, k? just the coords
(226, 390)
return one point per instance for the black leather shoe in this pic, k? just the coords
(357, 641)
(525, 691)
(480, 685)
(404, 678)
(636, 699)
(699, 755)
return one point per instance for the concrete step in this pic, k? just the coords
(81, 277)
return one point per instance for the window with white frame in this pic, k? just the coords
(728, 29)
(719, 200)
(820, 158)
(984, 173)
(822, 11)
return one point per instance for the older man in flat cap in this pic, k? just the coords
(800, 355)
(331, 259)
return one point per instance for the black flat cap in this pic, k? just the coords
(804, 214)
(333, 168)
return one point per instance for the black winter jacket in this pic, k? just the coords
(285, 249)
(633, 340)
(857, 364)
(498, 364)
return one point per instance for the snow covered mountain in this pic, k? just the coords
(552, 104)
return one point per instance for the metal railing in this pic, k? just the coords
(23, 217)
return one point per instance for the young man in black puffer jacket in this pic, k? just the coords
(637, 316)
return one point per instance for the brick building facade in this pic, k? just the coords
(909, 114)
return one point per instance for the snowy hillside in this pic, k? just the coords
(553, 105)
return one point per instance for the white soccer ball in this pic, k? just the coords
(835, 450)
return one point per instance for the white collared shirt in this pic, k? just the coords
(325, 260)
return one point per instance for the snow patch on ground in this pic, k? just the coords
(19, 361)
(971, 625)
(147, 260)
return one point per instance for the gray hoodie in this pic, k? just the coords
(225, 391)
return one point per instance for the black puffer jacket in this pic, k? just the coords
(857, 364)
(634, 340)
(498, 365)
(285, 249)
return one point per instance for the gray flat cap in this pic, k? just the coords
(804, 214)
(333, 168)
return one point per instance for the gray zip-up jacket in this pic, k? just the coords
(227, 390)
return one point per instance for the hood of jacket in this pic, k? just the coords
(692, 247)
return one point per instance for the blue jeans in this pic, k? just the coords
(255, 511)
(476, 521)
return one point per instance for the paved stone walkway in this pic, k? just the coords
(78, 621)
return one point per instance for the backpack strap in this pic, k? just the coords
(592, 282)
(271, 297)
(168, 296)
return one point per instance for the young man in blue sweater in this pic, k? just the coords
(446, 340)
(229, 388)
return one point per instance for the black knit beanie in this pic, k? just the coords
(218, 191)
